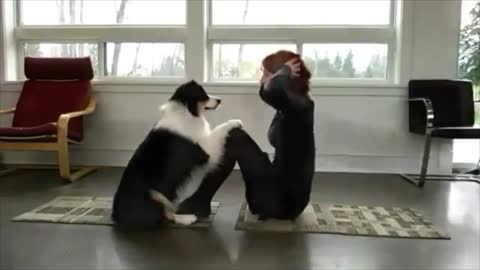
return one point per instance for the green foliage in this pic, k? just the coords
(347, 69)
(476, 89)
(244, 70)
(469, 55)
(469, 62)
(337, 63)
(376, 67)
(344, 68)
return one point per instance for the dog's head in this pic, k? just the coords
(195, 98)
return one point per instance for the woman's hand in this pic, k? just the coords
(294, 65)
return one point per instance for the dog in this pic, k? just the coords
(172, 161)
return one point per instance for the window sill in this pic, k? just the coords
(121, 81)
(128, 86)
(177, 81)
(315, 84)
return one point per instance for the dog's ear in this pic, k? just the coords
(198, 95)
(190, 94)
(191, 83)
(192, 107)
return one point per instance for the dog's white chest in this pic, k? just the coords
(215, 151)
(191, 184)
(196, 129)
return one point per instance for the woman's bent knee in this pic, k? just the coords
(237, 137)
(237, 133)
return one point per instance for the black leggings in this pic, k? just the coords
(264, 194)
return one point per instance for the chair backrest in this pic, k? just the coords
(54, 86)
(452, 101)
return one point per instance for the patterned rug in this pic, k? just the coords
(348, 220)
(88, 210)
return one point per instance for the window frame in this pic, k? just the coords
(19, 21)
(100, 35)
(302, 34)
(391, 21)
(198, 36)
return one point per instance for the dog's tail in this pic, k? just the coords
(160, 198)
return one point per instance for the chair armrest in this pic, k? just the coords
(63, 120)
(7, 111)
(425, 123)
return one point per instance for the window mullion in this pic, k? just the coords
(195, 40)
(20, 59)
(300, 48)
(102, 60)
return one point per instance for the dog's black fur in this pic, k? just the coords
(162, 162)
(190, 94)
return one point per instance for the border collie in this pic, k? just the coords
(171, 162)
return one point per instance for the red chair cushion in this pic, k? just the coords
(56, 68)
(33, 133)
(42, 102)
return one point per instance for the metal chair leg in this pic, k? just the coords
(419, 181)
(475, 170)
(425, 160)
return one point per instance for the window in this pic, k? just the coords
(241, 61)
(209, 40)
(468, 151)
(124, 38)
(300, 12)
(60, 49)
(63, 50)
(80, 12)
(367, 61)
(339, 40)
(145, 59)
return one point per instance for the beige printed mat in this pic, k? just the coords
(88, 210)
(348, 220)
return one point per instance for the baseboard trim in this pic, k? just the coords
(358, 163)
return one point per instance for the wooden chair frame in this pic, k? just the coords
(61, 145)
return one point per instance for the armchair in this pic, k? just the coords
(49, 113)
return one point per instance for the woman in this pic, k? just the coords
(278, 189)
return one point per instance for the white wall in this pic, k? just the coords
(358, 129)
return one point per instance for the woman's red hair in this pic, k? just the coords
(273, 62)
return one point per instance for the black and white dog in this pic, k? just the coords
(171, 162)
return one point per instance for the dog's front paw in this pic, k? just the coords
(185, 220)
(235, 123)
